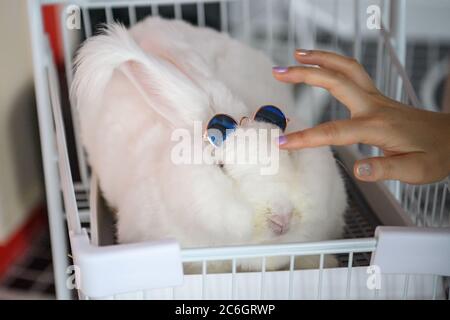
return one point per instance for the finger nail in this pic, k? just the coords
(280, 69)
(302, 52)
(282, 140)
(364, 170)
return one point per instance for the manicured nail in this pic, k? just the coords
(280, 69)
(364, 170)
(282, 140)
(302, 52)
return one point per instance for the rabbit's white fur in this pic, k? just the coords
(184, 74)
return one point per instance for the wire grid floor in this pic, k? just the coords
(31, 276)
(360, 222)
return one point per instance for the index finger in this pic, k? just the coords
(339, 132)
(349, 67)
(352, 96)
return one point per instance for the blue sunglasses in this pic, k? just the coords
(221, 124)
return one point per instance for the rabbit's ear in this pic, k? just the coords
(167, 90)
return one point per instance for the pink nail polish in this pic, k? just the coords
(280, 69)
(282, 140)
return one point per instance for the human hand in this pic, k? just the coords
(415, 142)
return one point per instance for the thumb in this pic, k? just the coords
(409, 168)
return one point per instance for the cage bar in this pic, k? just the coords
(435, 200)
(233, 279)
(291, 276)
(177, 10)
(68, 52)
(269, 28)
(204, 273)
(201, 14)
(246, 20)
(263, 277)
(132, 15)
(444, 196)
(87, 23)
(349, 274)
(406, 287)
(109, 14)
(320, 282)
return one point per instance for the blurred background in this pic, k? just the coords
(26, 270)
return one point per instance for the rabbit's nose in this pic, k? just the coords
(279, 223)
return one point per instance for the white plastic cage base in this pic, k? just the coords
(304, 285)
(347, 282)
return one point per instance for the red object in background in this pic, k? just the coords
(51, 15)
(22, 239)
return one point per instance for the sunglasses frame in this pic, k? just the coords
(205, 134)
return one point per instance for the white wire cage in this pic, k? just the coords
(154, 270)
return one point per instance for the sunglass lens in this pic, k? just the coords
(217, 128)
(272, 114)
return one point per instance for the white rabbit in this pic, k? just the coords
(133, 88)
